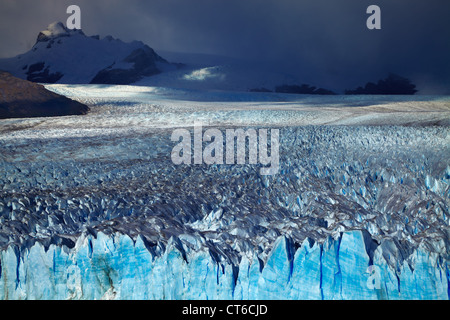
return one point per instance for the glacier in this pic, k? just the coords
(92, 207)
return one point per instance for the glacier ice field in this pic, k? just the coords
(92, 207)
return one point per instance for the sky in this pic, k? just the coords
(323, 42)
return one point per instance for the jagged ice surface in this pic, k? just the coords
(90, 215)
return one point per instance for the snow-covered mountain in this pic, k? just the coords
(61, 55)
(24, 99)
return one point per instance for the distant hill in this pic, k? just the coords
(68, 56)
(393, 84)
(24, 99)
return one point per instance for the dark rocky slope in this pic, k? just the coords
(24, 99)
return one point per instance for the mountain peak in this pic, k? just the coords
(55, 30)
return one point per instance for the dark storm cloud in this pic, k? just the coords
(324, 42)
